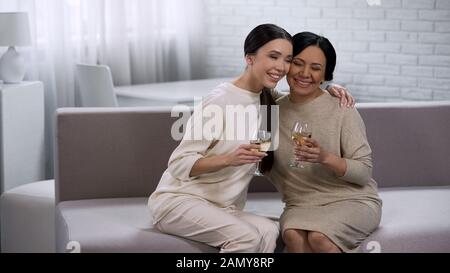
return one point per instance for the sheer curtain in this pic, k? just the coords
(142, 41)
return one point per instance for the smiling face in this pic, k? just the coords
(270, 63)
(306, 73)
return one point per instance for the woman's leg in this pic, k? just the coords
(267, 229)
(203, 222)
(296, 241)
(320, 243)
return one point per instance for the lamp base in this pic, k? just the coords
(12, 66)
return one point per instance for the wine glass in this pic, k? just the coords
(300, 131)
(263, 139)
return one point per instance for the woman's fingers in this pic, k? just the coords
(350, 99)
(307, 153)
(343, 98)
(346, 98)
(250, 158)
(334, 90)
(311, 142)
(251, 149)
(308, 157)
(253, 153)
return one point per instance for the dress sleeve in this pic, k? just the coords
(355, 149)
(195, 143)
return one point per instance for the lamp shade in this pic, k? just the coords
(14, 29)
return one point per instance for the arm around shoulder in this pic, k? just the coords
(355, 149)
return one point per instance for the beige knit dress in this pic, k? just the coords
(346, 209)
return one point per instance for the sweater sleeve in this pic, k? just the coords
(355, 149)
(195, 143)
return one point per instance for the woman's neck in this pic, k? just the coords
(245, 81)
(301, 99)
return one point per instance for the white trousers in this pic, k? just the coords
(229, 229)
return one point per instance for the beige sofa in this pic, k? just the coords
(108, 161)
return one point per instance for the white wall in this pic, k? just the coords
(397, 51)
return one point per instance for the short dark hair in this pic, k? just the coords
(263, 34)
(305, 39)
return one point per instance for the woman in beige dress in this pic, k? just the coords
(332, 203)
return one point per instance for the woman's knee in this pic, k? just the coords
(319, 242)
(247, 240)
(270, 230)
(269, 235)
(293, 237)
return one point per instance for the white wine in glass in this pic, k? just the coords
(300, 131)
(264, 140)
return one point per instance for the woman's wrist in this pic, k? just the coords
(326, 159)
(224, 161)
(329, 161)
(334, 163)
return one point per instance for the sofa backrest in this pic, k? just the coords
(122, 152)
(410, 142)
(111, 152)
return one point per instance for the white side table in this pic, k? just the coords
(22, 134)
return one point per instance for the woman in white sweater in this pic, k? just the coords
(202, 193)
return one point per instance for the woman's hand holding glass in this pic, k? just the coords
(245, 154)
(310, 151)
(300, 131)
(262, 138)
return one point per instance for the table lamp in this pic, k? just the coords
(14, 31)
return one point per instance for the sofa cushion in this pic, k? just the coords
(414, 219)
(116, 225)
